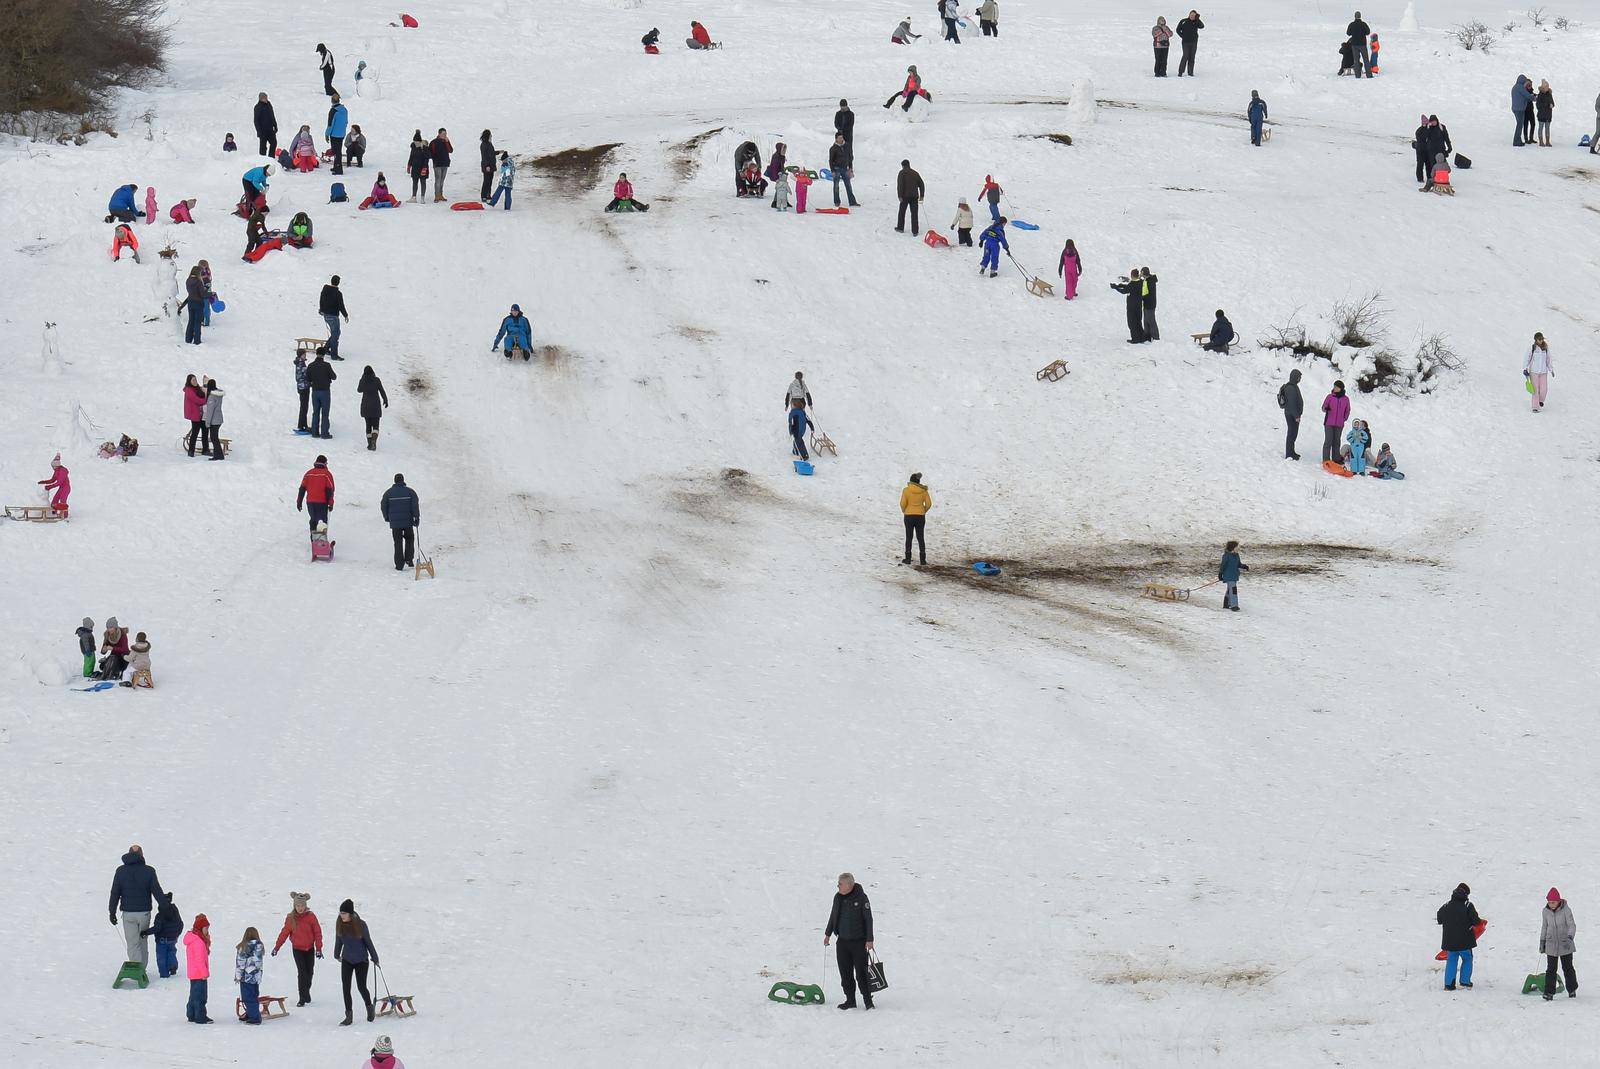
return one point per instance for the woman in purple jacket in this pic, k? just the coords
(1335, 413)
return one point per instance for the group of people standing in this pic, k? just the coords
(1558, 932)
(1188, 34)
(1533, 109)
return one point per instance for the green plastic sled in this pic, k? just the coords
(1535, 983)
(797, 994)
(132, 970)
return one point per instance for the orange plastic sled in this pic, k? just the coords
(935, 240)
(831, 211)
(1333, 467)
(1477, 933)
(467, 206)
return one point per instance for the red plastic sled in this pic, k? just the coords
(408, 22)
(269, 245)
(1477, 933)
(1333, 467)
(935, 240)
(467, 206)
(831, 211)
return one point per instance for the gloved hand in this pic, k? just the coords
(113, 920)
(319, 955)
(274, 952)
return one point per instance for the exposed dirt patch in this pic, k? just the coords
(686, 154)
(1224, 976)
(1580, 174)
(574, 170)
(695, 334)
(715, 498)
(419, 384)
(553, 354)
(1060, 139)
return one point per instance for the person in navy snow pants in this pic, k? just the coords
(993, 240)
(797, 430)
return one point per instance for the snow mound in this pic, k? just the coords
(1080, 106)
(1408, 21)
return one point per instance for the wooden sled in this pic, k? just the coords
(424, 564)
(1444, 189)
(396, 1006)
(1201, 339)
(226, 443)
(1040, 288)
(820, 442)
(309, 346)
(1163, 592)
(34, 513)
(271, 1007)
(1054, 371)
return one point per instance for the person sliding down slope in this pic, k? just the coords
(517, 332)
(700, 38)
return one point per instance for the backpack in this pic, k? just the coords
(337, 195)
(285, 160)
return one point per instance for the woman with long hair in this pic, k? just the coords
(373, 402)
(352, 946)
(247, 972)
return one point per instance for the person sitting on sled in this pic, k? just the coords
(651, 42)
(700, 38)
(622, 197)
(911, 90)
(1386, 466)
(1440, 174)
(902, 33)
(380, 193)
(751, 184)
(299, 231)
(139, 665)
(228, 143)
(61, 482)
(517, 332)
(123, 238)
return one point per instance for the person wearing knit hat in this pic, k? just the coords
(86, 646)
(1459, 918)
(352, 948)
(197, 950)
(1558, 932)
(383, 1056)
(114, 643)
(304, 933)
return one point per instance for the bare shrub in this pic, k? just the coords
(1561, 22)
(1508, 27)
(1292, 336)
(1536, 16)
(68, 56)
(1360, 321)
(1473, 36)
(1434, 355)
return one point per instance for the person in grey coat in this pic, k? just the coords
(401, 508)
(211, 415)
(1293, 406)
(1558, 934)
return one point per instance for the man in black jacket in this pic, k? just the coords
(134, 890)
(1358, 32)
(1221, 334)
(844, 122)
(908, 184)
(1133, 289)
(439, 150)
(1152, 332)
(489, 162)
(1189, 33)
(1459, 917)
(851, 921)
(331, 305)
(401, 508)
(840, 160)
(266, 127)
(1436, 140)
(319, 380)
(1293, 405)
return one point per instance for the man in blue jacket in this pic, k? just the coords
(1258, 115)
(401, 508)
(993, 239)
(797, 428)
(338, 126)
(255, 181)
(121, 205)
(134, 890)
(517, 332)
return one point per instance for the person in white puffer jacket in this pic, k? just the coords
(1538, 369)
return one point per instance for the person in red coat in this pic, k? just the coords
(700, 37)
(304, 934)
(316, 492)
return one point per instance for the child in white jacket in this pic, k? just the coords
(963, 223)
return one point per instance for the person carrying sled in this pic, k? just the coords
(1221, 335)
(700, 38)
(1558, 933)
(1228, 575)
(915, 501)
(1070, 269)
(134, 888)
(622, 197)
(402, 510)
(841, 162)
(121, 207)
(652, 42)
(797, 429)
(517, 332)
(61, 482)
(1132, 289)
(851, 920)
(910, 91)
(508, 178)
(902, 34)
(316, 492)
(993, 239)
(1459, 920)
(1257, 114)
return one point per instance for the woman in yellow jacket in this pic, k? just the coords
(915, 501)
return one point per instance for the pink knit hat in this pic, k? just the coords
(1553, 896)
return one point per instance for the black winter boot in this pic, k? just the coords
(848, 1004)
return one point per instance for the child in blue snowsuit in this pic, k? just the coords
(167, 927)
(797, 429)
(1258, 115)
(993, 240)
(517, 332)
(1359, 439)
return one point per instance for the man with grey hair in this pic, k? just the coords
(133, 889)
(851, 921)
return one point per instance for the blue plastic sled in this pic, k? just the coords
(983, 567)
(827, 175)
(1585, 142)
(803, 467)
(104, 684)
(1020, 225)
(217, 305)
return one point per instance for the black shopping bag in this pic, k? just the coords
(1463, 162)
(876, 981)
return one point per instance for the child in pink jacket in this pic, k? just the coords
(383, 1056)
(802, 183)
(61, 483)
(149, 204)
(197, 948)
(180, 211)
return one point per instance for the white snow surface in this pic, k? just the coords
(591, 785)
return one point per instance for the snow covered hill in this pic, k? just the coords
(591, 785)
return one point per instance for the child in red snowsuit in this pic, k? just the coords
(802, 182)
(61, 483)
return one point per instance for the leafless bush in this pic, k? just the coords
(1473, 36)
(1360, 321)
(1536, 16)
(1434, 355)
(1561, 22)
(1292, 336)
(68, 56)
(1508, 27)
